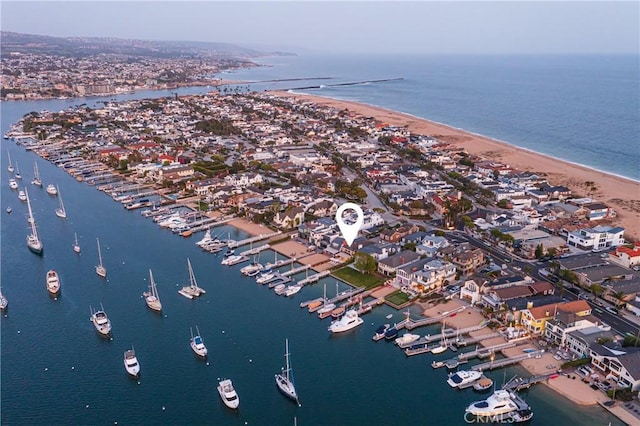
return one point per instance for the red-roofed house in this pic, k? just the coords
(625, 256)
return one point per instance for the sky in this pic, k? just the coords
(450, 27)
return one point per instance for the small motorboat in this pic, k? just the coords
(9, 210)
(53, 282)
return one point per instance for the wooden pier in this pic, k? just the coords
(429, 321)
(313, 278)
(504, 362)
(295, 270)
(280, 263)
(234, 244)
(484, 352)
(448, 334)
(519, 383)
(256, 250)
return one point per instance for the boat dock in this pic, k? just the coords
(368, 307)
(429, 321)
(295, 270)
(399, 326)
(278, 279)
(519, 383)
(256, 250)
(234, 244)
(209, 223)
(472, 340)
(504, 362)
(485, 352)
(345, 295)
(280, 263)
(313, 278)
(448, 334)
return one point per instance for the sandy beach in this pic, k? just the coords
(620, 193)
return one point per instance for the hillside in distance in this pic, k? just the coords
(87, 46)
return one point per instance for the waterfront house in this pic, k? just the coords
(391, 264)
(290, 218)
(534, 319)
(623, 368)
(558, 328)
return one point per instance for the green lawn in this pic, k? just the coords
(398, 298)
(358, 279)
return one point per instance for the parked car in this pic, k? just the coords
(611, 310)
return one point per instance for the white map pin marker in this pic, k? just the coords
(349, 231)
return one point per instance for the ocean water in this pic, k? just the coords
(55, 369)
(582, 109)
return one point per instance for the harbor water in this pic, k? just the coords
(55, 369)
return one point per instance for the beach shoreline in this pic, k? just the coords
(621, 193)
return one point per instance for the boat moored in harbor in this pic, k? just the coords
(100, 321)
(192, 290)
(151, 297)
(33, 241)
(284, 380)
(197, 344)
(228, 394)
(463, 378)
(500, 403)
(100, 269)
(349, 321)
(131, 363)
(13, 184)
(51, 189)
(53, 282)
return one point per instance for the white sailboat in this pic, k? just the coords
(151, 296)
(76, 246)
(60, 211)
(100, 269)
(17, 174)
(443, 343)
(33, 242)
(192, 290)
(284, 380)
(36, 176)
(10, 166)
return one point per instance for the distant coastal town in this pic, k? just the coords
(545, 269)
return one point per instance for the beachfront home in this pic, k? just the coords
(596, 238)
(624, 368)
(625, 256)
(559, 327)
(534, 319)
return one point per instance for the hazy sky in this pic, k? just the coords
(404, 27)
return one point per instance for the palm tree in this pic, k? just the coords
(619, 296)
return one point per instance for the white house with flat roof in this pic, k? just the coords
(596, 238)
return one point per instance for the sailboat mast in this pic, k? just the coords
(192, 277)
(286, 356)
(99, 253)
(32, 221)
(60, 198)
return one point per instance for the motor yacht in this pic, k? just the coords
(228, 394)
(347, 322)
(463, 378)
(101, 321)
(53, 282)
(131, 362)
(197, 344)
(499, 403)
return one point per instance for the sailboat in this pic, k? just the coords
(443, 343)
(284, 380)
(76, 246)
(10, 166)
(36, 176)
(60, 211)
(192, 290)
(17, 174)
(33, 242)
(151, 296)
(100, 269)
